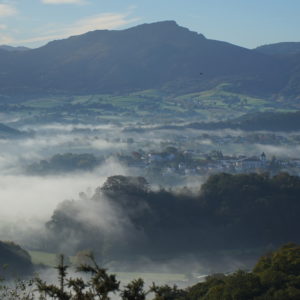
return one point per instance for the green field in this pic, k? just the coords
(218, 103)
(43, 258)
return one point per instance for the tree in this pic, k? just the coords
(134, 290)
(98, 287)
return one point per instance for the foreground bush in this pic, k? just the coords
(276, 276)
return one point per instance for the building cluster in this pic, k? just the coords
(187, 162)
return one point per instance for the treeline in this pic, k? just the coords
(63, 163)
(243, 211)
(270, 121)
(276, 276)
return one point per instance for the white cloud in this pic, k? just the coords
(63, 1)
(6, 39)
(100, 21)
(7, 10)
(3, 26)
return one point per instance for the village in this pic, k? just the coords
(172, 161)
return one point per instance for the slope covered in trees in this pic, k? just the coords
(14, 261)
(63, 163)
(229, 212)
(270, 121)
(276, 276)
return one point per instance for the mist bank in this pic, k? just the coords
(274, 276)
(127, 223)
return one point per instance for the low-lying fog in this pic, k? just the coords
(27, 201)
(24, 196)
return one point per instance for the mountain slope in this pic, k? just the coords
(161, 55)
(8, 132)
(280, 49)
(271, 121)
(10, 48)
(16, 259)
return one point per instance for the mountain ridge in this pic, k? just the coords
(161, 55)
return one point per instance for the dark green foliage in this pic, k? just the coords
(276, 276)
(166, 292)
(18, 290)
(134, 290)
(239, 285)
(99, 286)
(51, 290)
(229, 212)
(125, 184)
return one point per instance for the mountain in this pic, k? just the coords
(160, 55)
(280, 49)
(10, 48)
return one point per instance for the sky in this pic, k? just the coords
(33, 23)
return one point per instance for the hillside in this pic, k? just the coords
(165, 224)
(160, 55)
(280, 49)
(8, 132)
(14, 260)
(269, 121)
(10, 48)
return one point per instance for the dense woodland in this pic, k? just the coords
(228, 212)
(242, 211)
(67, 162)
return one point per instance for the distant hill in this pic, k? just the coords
(160, 55)
(10, 48)
(269, 121)
(280, 49)
(8, 132)
(14, 260)
(64, 163)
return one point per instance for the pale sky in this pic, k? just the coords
(247, 23)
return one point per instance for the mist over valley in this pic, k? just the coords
(166, 154)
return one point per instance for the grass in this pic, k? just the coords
(43, 258)
(218, 103)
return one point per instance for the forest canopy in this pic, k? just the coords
(228, 212)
